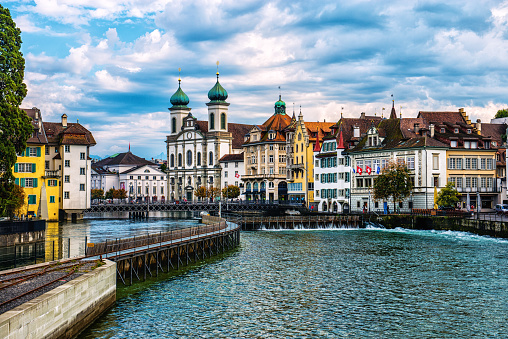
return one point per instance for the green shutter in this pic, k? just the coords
(22, 182)
(23, 153)
(33, 168)
(27, 151)
(35, 182)
(16, 168)
(51, 199)
(16, 181)
(38, 151)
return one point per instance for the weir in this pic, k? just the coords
(299, 222)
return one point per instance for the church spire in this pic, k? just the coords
(393, 115)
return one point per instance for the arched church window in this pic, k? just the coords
(210, 158)
(173, 125)
(212, 121)
(179, 159)
(172, 160)
(189, 158)
(198, 159)
(223, 121)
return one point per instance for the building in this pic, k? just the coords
(302, 140)
(264, 151)
(233, 170)
(195, 147)
(141, 178)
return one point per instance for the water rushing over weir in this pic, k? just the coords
(368, 283)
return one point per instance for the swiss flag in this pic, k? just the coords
(368, 170)
(359, 170)
(237, 175)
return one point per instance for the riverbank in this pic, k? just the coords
(498, 229)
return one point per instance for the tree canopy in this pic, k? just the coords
(15, 125)
(97, 193)
(502, 113)
(231, 192)
(393, 182)
(448, 196)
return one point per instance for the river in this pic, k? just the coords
(368, 283)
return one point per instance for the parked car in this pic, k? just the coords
(502, 208)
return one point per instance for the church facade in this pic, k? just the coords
(195, 147)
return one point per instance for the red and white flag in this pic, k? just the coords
(359, 170)
(368, 170)
(237, 175)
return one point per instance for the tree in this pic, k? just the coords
(231, 192)
(164, 168)
(502, 113)
(214, 192)
(97, 193)
(448, 196)
(16, 201)
(110, 193)
(393, 182)
(119, 194)
(15, 125)
(201, 192)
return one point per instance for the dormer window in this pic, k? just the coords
(443, 130)
(487, 144)
(468, 131)
(456, 130)
(474, 144)
(453, 143)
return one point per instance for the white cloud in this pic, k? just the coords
(112, 83)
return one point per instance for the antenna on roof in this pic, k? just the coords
(341, 109)
(382, 112)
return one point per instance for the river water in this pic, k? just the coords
(368, 283)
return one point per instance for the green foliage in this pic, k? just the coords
(201, 192)
(214, 192)
(448, 196)
(97, 193)
(393, 182)
(116, 194)
(14, 204)
(164, 168)
(231, 192)
(15, 125)
(502, 113)
(109, 193)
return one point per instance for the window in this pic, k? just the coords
(162, 189)
(171, 161)
(46, 164)
(270, 158)
(34, 151)
(198, 160)
(458, 163)
(223, 121)
(467, 144)
(51, 199)
(24, 168)
(236, 164)
(455, 130)
(486, 145)
(474, 144)
(435, 161)
(67, 163)
(173, 125)
(82, 156)
(436, 181)
(451, 163)
(139, 177)
(67, 178)
(489, 182)
(225, 165)
(474, 163)
(82, 171)
(210, 158)
(474, 182)
(154, 178)
(359, 182)
(212, 121)
(52, 183)
(459, 182)
(225, 174)
(32, 199)
(81, 187)
(189, 158)
(483, 163)
(490, 164)
(453, 143)
(47, 150)
(483, 182)
(154, 190)
(67, 148)
(66, 195)
(180, 161)
(56, 149)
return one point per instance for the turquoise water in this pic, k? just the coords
(327, 284)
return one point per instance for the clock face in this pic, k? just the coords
(189, 135)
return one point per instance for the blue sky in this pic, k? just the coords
(113, 64)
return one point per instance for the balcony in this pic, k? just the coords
(263, 176)
(55, 174)
(477, 189)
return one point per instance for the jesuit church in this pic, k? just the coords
(195, 147)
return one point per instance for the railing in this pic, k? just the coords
(52, 174)
(173, 236)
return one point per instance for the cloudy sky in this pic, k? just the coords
(113, 64)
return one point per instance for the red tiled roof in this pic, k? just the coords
(73, 134)
(37, 137)
(231, 157)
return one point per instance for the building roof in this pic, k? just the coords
(130, 170)
(101, 170)
(126, 158)
(73, 134)
(38, 135)
(231, 157)
(494, 131)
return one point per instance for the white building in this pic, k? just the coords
(195, 147)
(233, 170)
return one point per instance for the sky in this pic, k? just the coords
(113, 64)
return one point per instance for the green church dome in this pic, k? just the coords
(179, 98)
(217, 93)
(280, 106)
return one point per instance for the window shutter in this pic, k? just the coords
(35, 182)
(22, 182)
(16, 168)
(27, 151)
(33, 168)
(16, 181)
(23, 153)
(38, 151)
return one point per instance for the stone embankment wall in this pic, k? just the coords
(21, 232)
(64, 311)
(481, 227)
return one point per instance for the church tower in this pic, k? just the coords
(179, 110)
(217, 108)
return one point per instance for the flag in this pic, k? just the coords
(237, 175)
(368, 170)
(359, 170)
(378, 170)
(354, 170)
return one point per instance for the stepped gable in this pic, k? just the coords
(232, 157)
(73, 134)
(126, 158)
(39, 134)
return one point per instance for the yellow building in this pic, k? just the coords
(40, 186)
(305, 136)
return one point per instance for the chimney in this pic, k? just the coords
(479, 126)
(64, 120)
(431, 130)
(362, 115)
(417, 129)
